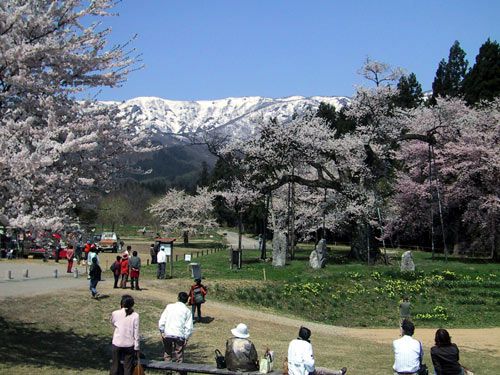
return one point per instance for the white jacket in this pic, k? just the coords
(300, 357)
(407, 354)
(161, 257)
(176, 321)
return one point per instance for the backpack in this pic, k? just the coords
(113, 267)
(198, 295)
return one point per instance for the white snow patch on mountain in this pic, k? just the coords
(237, 116)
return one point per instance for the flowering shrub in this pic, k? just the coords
(438, 313)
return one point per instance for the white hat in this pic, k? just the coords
(241, 331)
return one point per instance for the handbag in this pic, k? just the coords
(138, 369)
(220, 361)
(423, 370)
(266, 363)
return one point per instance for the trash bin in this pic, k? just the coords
(236, 258)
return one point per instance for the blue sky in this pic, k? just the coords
(211, 49)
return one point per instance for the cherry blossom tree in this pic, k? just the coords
(459, 146)
(55, 148)
(178, 210)
(238, 196)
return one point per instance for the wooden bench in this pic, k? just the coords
(194, 368)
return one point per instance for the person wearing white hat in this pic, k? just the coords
(241, 354)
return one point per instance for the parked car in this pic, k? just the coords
(109, 242)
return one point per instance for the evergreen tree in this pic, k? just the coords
(450, 74)
(410, 92)
(336, 120)
(204, 175)
(483, 80)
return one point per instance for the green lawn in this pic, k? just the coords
(455, 293)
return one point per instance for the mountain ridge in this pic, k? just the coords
(238, 116)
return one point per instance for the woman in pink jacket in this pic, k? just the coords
(125, 337)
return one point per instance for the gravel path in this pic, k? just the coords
(41, 278)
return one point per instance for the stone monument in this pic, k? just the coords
(407, 262)
(317, 258)
(279, 249)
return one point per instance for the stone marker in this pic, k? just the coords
(317, 258)
(407, 262)
(279, 249)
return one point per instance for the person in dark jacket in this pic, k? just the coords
(117, 269)
(153, 252)
(445, 355)
(95, 277)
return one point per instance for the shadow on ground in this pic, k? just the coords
(24, 345)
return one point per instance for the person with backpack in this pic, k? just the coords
(197, 295)
(116, 269)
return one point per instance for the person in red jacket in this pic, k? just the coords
(70, 253)
(197, 295)
(124, 271)
(86, 250)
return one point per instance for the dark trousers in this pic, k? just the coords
(194, 307)
(160, 273)
(134, 283)
(117, 278)
(123, 283)
(128, 360)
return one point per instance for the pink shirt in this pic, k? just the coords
(126, 329)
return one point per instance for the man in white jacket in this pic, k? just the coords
(161, 258)
(301, 357)
(176, 325)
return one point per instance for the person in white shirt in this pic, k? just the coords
(408, 352)
(161, 259)
(125, 337)
(176, 325)
(301, 357)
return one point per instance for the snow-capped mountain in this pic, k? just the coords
(236, 116)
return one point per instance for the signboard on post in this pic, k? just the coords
(167, 248)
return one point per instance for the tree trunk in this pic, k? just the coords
(263, 254)
(240, 229)
(363, 239)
